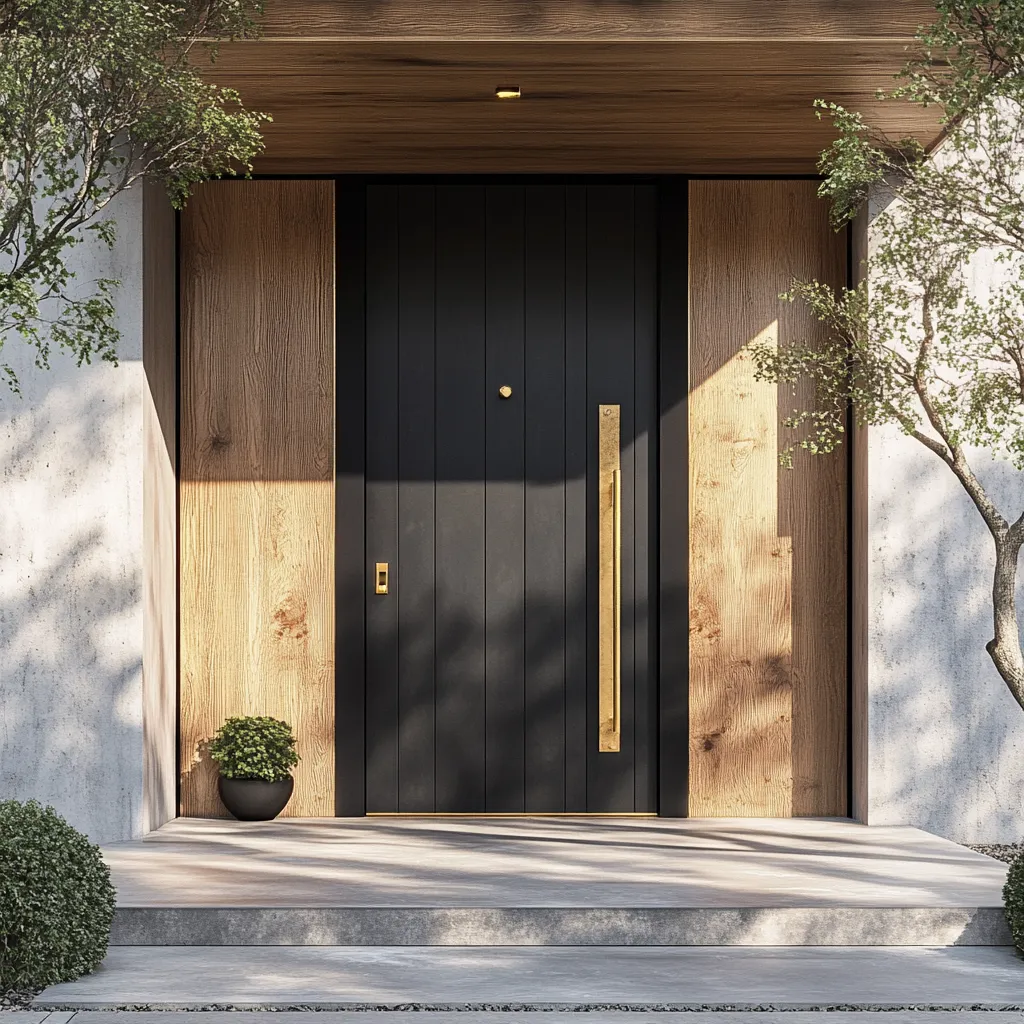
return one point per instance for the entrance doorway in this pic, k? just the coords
(510, 399)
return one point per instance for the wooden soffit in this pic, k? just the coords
(609, 86)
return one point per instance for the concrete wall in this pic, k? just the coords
(71, 567)
(945, 740)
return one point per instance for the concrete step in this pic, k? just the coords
(516, 979)
(505, 1017)
(554, 926)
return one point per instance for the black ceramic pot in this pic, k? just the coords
(254, 799)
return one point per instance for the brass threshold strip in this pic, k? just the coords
(509, 814)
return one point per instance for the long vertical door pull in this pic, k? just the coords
(609, 580)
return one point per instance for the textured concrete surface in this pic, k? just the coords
(699, 977)
(946, 739)
(37, 1016)
(507, 1017)
(70, 566)
(544, 926)
(550, 881)
(549, 862)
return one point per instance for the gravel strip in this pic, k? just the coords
(15, 1000)
(1006, 852)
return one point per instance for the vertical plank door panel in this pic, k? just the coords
(414, 569)
(504, 514)
(545, 498)
(382, 544)
(577, 419)
(257, 470)
(767, 546)
(460, 467)
(645, 328)
(610, 380)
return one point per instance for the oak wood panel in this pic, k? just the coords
(595, 19)
(256, 490)
(160, 511)
(698, 107)
(768, 689)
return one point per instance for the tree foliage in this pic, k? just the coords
(94, 94)
(916, 344)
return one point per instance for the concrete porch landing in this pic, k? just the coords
(552, 881)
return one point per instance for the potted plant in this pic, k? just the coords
(255, 756)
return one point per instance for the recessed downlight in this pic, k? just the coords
(508, 92)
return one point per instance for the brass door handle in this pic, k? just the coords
(380, 578)
(609, 580)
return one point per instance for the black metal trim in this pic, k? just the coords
(673, 502)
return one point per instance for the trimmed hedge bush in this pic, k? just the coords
(1013, 897)
(56, 900)
(254, 747)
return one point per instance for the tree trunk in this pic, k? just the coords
(1005, 648)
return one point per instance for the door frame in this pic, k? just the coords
(671, 485)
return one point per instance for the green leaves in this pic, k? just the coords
(94, 94)
(917, 345)
(254, 748)
(56, 900)
(1013, 899)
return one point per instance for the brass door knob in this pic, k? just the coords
(505, 391)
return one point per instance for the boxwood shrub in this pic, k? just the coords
(1013, 897)
(56, 900)
(254, 747)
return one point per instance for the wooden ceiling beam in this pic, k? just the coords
(595, 19)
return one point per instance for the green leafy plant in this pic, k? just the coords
(1013, 898)
(56, 899)
(913, 345)
(95, 94)
(254, 748)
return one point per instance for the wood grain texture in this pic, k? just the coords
(768, 715)
(691, 106)
(257, 471)
(593, 19)
(160, 511)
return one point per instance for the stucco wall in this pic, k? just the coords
(71, 548)
(945, 737)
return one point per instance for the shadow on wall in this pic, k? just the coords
(946, 736)
(70, 593)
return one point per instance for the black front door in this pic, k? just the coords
(499, 318)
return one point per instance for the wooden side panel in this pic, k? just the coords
(768, 608)
(257, 472)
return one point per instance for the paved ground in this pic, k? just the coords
(400, 1017)
(555, 977)
(549, 862)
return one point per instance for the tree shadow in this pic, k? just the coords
(70, 596)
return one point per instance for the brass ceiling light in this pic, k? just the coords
(508, 92)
